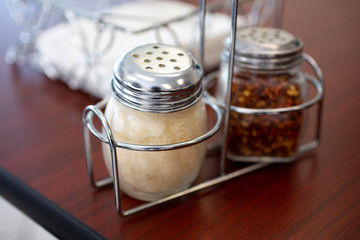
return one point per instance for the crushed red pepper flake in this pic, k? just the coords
(275, 135)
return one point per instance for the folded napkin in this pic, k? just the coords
(82, 52)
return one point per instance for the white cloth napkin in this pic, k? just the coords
(67, 49)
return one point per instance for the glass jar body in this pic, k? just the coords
(264, 137)
(152, 175)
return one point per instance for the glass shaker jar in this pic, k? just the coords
(156, 99)
(267, 75)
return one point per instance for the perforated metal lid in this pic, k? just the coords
(157, 78)
(265, 48)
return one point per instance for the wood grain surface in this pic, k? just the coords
(316, 197)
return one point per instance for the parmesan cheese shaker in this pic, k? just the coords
(156, 99)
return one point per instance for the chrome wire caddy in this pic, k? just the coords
(221, 110)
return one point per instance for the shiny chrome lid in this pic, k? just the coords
(265, 48)
(157, 78)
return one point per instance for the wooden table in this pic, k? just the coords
(316, 197)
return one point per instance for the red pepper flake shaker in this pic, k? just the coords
(267, 75)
